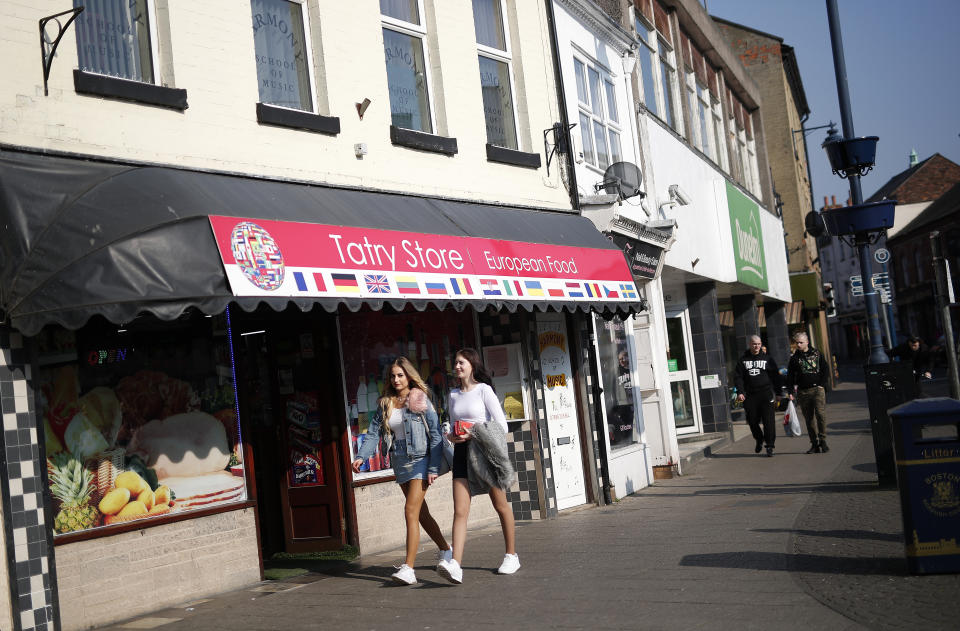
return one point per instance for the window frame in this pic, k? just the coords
(308, 50)
(666, 59)
(419, 31)
(723, 160)
(154, 50)
(652, 58)
(705, 113)
(605, 77)
(504, 56)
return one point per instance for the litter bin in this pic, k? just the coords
(926, 435)
(888, 385)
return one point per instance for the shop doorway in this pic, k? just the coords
(292, 405)
(680, 375)
(561, 410)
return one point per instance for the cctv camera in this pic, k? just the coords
(676, 193)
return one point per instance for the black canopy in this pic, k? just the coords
(84, 237)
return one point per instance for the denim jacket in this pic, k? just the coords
(421, 431)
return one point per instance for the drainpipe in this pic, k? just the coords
(597, 392)
(564, 121)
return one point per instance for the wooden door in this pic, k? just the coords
(309, 414)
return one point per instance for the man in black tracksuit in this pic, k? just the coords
(757, 380)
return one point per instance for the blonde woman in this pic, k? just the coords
(406, 420)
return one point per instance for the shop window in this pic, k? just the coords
(117, 38)
(599, 118)
(616, 370)
(282, 54)
(372, 340)
(496, 72)
(139, 422)
(405, 53)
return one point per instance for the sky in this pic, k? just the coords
(902, 75)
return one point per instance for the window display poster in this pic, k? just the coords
(616, 372)
(138, 424)
(503, 364)
(371, 341)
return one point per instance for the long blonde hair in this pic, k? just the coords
(414, 380)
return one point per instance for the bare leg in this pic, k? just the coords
(505, 511)
(461, 511)
(413, 491)
(432, 527)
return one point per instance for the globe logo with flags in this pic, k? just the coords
(257, 255)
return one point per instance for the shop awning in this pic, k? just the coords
(84, 237)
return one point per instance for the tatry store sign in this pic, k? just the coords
(748, 253)
(279, 258)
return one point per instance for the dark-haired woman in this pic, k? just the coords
(409, 426)
(475, 402)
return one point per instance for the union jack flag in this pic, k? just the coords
(377, 283)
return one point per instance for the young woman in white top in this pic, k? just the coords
(411, 435)
(476, 402)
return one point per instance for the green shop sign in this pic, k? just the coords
(748, 254)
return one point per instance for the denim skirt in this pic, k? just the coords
(404, 468)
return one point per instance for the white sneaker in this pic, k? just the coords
(450, 570)
(404, 575)
(444, 555)
(511, 563)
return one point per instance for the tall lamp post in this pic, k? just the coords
(861, 225)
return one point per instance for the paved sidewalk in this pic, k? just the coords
(741, 542)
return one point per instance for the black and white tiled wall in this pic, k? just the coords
(28, 538)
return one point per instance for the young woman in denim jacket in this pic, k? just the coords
(411, 435)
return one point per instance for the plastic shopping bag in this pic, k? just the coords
(791, 422)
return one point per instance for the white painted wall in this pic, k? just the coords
(778, 276)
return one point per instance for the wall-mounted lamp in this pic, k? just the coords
(629, 60)
(362, 107)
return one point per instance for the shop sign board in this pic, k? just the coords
(281, 258)
(643, 258)
(748, 252)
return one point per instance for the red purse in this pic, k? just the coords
(461, 428)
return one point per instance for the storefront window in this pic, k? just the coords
(676, 349)
(139, 422)
(372, 340)
(682, 404)
(616, 374)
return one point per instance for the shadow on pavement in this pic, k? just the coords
(811, 563)
(773, 489)
(839, 534)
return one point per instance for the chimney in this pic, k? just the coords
(913, 158)
(833, 201)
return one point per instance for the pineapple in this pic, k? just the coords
(70, 483)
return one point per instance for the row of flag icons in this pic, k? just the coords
(408, 285)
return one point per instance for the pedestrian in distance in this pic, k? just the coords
(807, 373)
(408, 424)
(480, 460)
(758, 382)
(915, 352)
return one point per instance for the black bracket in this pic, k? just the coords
(49, 49)
(561, 142)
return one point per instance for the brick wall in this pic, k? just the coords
(113, 578)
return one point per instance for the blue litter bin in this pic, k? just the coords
(926, 443)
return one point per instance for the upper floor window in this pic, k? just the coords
(117, 38)
(405, 54)
(599, 118)
(496, 72)
(668, 81)
(282, 53)
(647, 59)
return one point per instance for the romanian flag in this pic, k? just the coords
(407, 284)
(610, 293)
(346, 283)
(628, 290)
(491, 287)
(436, 288)
(574, 290)
(534, 288)
(461, 286)
(593, 290)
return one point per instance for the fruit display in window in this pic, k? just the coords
(113, 501)
(70, 483)
(121, 504)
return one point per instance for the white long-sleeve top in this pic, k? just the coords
(479, 405)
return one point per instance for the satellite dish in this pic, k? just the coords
(813, 224)
(622, 179)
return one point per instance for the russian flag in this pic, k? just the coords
(435, 288)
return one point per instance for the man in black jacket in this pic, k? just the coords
(806, 377)
(757, 380)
